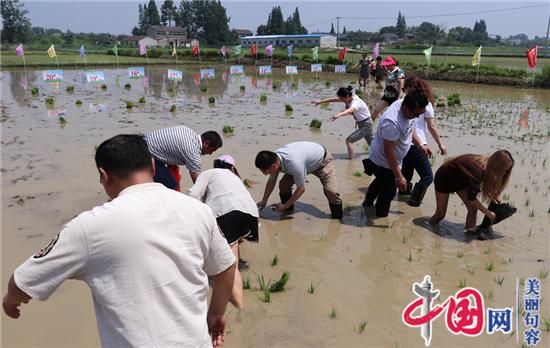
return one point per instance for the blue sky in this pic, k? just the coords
(118, 17)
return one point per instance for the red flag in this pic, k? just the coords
(196, 51)
(342, 54)
(532, 56)
(254, 50)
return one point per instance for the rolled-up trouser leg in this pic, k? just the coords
(327, 174)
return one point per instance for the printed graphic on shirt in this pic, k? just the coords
(47, 249)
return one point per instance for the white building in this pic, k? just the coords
(304, 40)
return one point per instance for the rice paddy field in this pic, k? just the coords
(340, 283)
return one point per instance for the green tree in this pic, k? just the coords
(428, 33)
(401, 25)
(461, 35)
(205, 20)
(167, 12)
(332, 28)
(276, 25)
(16, 25)
(152, 14)
(480, 35)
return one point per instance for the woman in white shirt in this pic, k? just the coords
(358, 108)
(235, 210)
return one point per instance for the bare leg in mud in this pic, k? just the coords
(441, 200)
(237, 292)
(380, 106)
(471, 217)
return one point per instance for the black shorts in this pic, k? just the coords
(236, 225)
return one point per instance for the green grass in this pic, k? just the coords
(62, 120)
(204, 89)
(242, 88)
(34, 91)
(50, 101)
(103, 87)
(462, 283)
(489, 266)
(460, 254)
(543, 273)
(261, 282)
(498, 279)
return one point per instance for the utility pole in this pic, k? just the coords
(546, 43)
(338, 31)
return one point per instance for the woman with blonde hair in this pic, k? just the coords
(468, 175)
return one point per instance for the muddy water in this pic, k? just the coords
(363, 267)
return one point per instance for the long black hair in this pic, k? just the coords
(345, 91)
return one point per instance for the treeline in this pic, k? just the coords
(276, 25)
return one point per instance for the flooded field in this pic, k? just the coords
(351, 280)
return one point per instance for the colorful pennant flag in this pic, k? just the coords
(115, 50)
(376, 50)
(254, 50)
(82, 51)
(315, 53)
(19, 50)
(196, 50)
(289, 51)
(342, 54)
(142, 49)
(51, 52)
(532, 56)
(269, 51)
(223, 51)
(174, 49)
(428, 54)
(476, 59)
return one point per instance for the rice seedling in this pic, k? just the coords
(263, 98)
(522, 281)
(489, 296)
(489, 266)
(246, 283)
(362, 326)
(357, 173)
(323, 236)
(50, 101)
(204, 89)
(34, 91)
(275, 261)
(211, 100)
(62, 120)
(288, 108)
(70, 89)
(505, 197)
(129, 105)
(543, 273)
(227, 130)
(532, 213)
(242, 88)
(279, 285)
(487, 251)
(498, 279)
(103, 87)
(261, 282)
(530, 233)
(462, 283)
(404, 239)
(327, 83)
(173, 108)
(142, 100)
(266, 296)
(410, 257)
(128, 86)
(311, 289)
(316, 123)
(332, 313)
(78, 102)
(275, 86)
(527, 201)
(460, 254)
(546, 324)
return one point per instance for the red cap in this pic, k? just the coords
(389, 61)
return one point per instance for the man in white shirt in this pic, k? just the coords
(393, 138)
(146, 256)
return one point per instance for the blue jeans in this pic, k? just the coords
(163, 176)
(416, 160)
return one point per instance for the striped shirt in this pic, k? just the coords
(178, 145)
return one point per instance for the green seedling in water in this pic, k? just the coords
(315, 123)
(267, 296)
(103, 87)
(288, 108)
(279, 285)
(173, 108)
(490, 295)
(459, 254)
(34, 91)
(242, 88)
(128, 86)
(489, 266)
(129, 105)
(211, 100)
(462, 283)
(142, 100)
(50, 101)
(62, 120)
(246, 283)
(362, 326)
(228, 130)
(78, 102)
(357, 173)
(70, 89)
(410, 257)
(204, 89)
(261, 282)
(263, 98)
(311, 289)
(275, 261)
(532, 213)
(546, 324)
(327, 83)
(543, 273)
(487, 251)
(332, 313)
(498, 279)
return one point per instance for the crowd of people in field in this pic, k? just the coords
(151, 252)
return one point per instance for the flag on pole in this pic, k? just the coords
(196, 49)
(376, 50)
(289, 51)
(476, 59)
(82, 51)
(254, 50)
(115, 50)
(51, 52)
(142, 49)
(532, 56)
(428, 54)
(223, 51)
(173, 49)
(315, 53)
(269, 50)
(342, 54)
(19, 50)
(237, 50)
